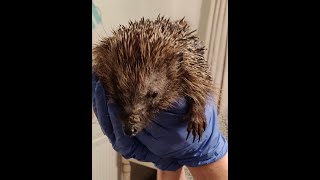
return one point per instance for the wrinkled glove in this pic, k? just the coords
(166, 137)
(163, 141)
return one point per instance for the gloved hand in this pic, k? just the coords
(163, 141)
(166, 137)
(128, 147)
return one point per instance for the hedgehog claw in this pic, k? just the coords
(188, 135)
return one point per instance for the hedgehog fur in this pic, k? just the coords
(148, 65)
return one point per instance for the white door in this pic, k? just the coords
(104, 158)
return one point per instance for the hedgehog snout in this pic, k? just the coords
(131, 127)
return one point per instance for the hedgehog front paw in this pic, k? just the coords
(197, 124)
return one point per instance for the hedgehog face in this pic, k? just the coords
(141, 106)
(142, 94)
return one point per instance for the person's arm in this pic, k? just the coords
(171, 175)
(217, 170)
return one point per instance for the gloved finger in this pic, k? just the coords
(179, 107)
(150, 141)
(115, 119)
(138, 151)
(94, 81)
(167, 164)
(100, 106)
(171, 118)
(165, 145)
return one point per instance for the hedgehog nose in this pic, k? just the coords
(134, 130)
(130, 131)
(133, 119)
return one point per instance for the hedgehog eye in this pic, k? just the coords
(152, 94)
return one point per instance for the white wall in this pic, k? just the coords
(116, 12)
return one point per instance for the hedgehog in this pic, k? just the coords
(147, 66)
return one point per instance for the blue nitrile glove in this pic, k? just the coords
(165, 137)
(128, 147)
